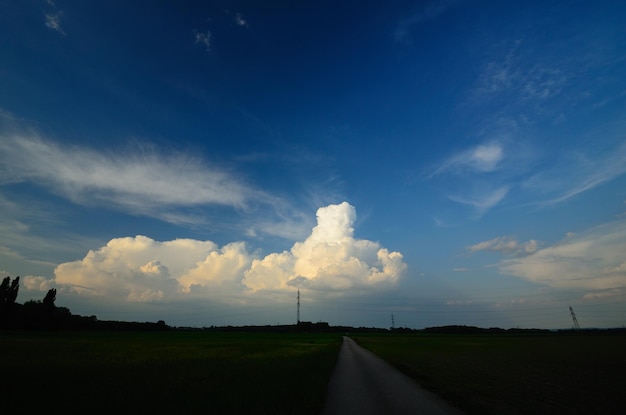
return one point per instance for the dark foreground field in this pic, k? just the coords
(287, 373)
(514, 374)
(175, 372)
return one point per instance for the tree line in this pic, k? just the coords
(45, 315)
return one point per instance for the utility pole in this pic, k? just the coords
(298, 306)
(574, 319)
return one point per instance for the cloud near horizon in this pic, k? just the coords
(140, 269)
(589, 261)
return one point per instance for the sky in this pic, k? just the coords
(426, 162)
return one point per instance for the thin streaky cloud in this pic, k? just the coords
(505, 245)
(585, 176)
(430, 12)
(204, 39)
(499, 73)
(240, 21)
(483, 158)
(482, 202)
(53, 21)
(138, 182)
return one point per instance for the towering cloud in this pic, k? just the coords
(142, 269)
(330, 258)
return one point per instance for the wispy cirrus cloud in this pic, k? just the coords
(240, 21)
(523, 81)
(429, 11)
(576, 174)
(482, 176)
(482, 201)
(204, 39)
(137, 181)
(53, 21)
(505, 245)
(140, 180)
(477, 168)
(483, 158)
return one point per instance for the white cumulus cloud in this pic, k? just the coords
(140, 269)
(137, 269)
(329, 259)
(37, 283)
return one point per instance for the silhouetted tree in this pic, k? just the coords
(4, 290)
(15, 287)
(8, 292)
(38, 314)
(48, 300)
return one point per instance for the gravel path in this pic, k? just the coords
(362, 384)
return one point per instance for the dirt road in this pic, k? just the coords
(363, 384)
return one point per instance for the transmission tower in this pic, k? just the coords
(574, 319)
(298, 305)
(393, 322)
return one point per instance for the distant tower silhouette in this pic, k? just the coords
(298, 305)
(574, 319)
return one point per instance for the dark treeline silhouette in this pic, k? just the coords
(301, 327)
(457, 329)
(45, 315)
(460, 329)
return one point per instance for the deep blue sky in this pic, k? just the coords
(447, 162)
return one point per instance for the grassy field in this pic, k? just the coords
(285, 373)
(261, 373)
(514, 374)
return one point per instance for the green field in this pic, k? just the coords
(274, 373)
(176, 371)
(514, 374)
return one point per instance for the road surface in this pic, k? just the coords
(362, 384)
